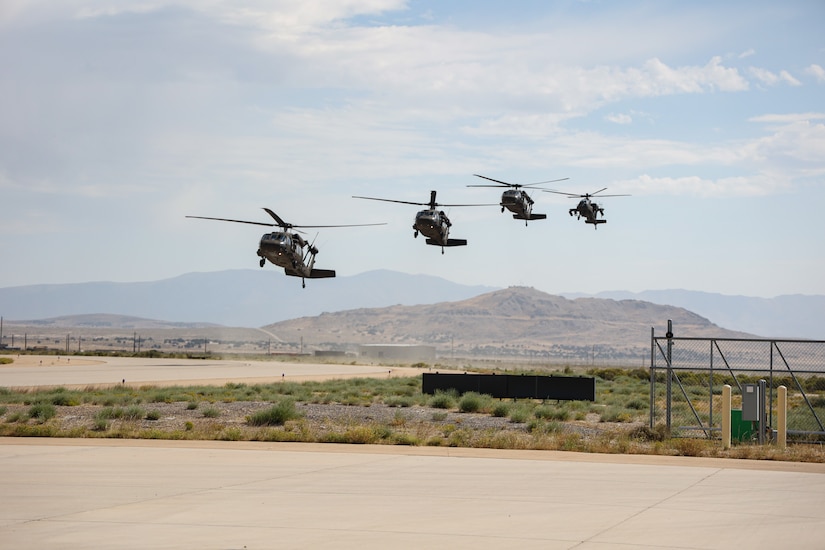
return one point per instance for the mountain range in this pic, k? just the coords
(254, 298)
(788, 316)
(242, 298)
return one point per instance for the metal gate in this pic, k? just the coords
(687, 376)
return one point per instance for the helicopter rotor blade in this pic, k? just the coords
(491, 179)
(515, 185)
(391, 200)
(431, 205)
(277, 218)
(234, 221)
(286, 225)
(544, 182)
(283, 224)
(341, 225)
(568, 195)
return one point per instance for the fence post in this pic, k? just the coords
(726, 408)
(782, 417)
(669, 386)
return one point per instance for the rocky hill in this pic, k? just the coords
(516, 321)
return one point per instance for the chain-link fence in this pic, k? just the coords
(687, 376)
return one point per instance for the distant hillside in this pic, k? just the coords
(791, 316)
(242, 298)
(105, 320)
(517, 321)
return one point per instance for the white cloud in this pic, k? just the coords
(816, 71)
(787, 118)
(771, 79)
(619, 118)
(738, 186)
(795, 147)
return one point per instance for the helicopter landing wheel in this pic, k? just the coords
(262, 262)
(415, 235)
(303, 283)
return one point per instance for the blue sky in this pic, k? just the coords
(118, 119)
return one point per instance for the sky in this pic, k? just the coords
(119, 119)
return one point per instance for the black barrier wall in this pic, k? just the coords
(564, 388)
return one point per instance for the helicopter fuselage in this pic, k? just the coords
(520, 204)
(286, 250)
(435, 225)
(589, 211)
(282, 249)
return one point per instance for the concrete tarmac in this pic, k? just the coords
(99, 493)
(79, 372)
(225, 495)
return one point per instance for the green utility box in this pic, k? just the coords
(740, 430)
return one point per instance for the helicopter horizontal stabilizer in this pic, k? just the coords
(321, 273)
(595, 222)
(532, 217)
(313, 274)
(450, 242)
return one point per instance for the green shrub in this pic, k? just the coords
(276, 415)
(17, 417)
(109, 413)
(501, 410)
(42, 411)
(398, 401)
(519, 414)
(615, 414)
(133, 412)
(153, 415)
(231, 434)
(644, 433)
(100, 424)
(637, 404)
(442, 400)
(470, 402)
(211, 412)
(547, 413)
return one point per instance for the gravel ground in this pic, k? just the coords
(319, 417)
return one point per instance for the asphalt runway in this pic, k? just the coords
(88, 493)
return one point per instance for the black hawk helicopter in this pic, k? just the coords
(586, 208)
(515, 199)
(286, 249)
(432, 222)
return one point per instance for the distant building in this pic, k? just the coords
(382, 353)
